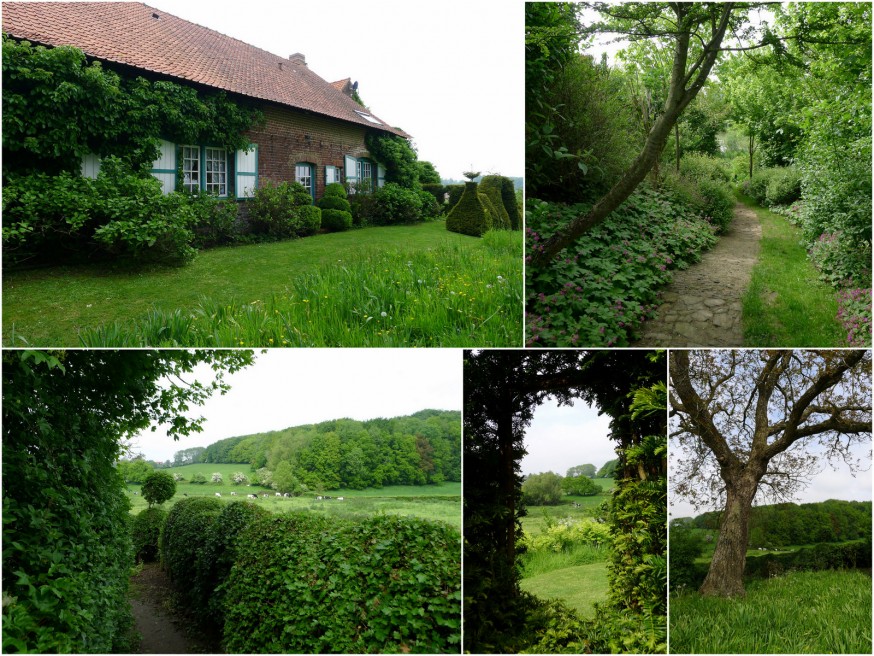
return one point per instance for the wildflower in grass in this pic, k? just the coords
(383, 314)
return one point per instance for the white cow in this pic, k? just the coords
(218, 494)
(286, 495)
(252, 496)
(233, 494)
(339, 498)
(279, 494)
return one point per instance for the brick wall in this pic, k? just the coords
(288, 137)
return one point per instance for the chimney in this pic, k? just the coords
(298, 58)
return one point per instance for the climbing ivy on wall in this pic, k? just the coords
(59, 106)
(397, 156)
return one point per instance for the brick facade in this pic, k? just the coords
(289, 137)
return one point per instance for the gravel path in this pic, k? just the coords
(702, 306)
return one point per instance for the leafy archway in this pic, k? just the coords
(502, 390)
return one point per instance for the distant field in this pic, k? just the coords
(432, 502)
(535, 520)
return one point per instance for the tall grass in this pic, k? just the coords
(536, 563)
(803, 612)
(451, 295)
(786, 304)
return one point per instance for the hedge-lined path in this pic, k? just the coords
(703, 304)
(151, 600)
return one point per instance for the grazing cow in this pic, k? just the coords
(279, 494)
(318, 498)
(339, 498)
(251, 496)
(576, 505)
(218, 494)
(233, 494)
(286, 495)
(266, 496)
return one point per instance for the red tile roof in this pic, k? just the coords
(150, 39)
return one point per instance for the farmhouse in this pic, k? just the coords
(313, 131)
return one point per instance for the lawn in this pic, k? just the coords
(799, 613)
(786, 304)
(579, 587)
(432, 502)
(416, 285)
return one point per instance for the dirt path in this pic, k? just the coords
(702, 306)
(151, 600)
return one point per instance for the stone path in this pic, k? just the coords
(702, 306)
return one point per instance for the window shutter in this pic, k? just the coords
(380, 175)
(164, 168)
(247, 172)
(349, 164)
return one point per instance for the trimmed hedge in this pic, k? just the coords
(145, 532)
(491, 186)
(438, 191)
(182, 540)
(508, 195)
(455, 193)
(306, 584)
(336, 220)
(283, 210)
(470, 216)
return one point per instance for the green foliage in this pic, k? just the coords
(848, 555)
(394, 204)
(134, 471)
(58, 107)
(511, 203)
(279, 210)
(685, 546)
(854, 313)
(608, 470)
(145, 531)
(158, 487)
(455, 193)
(431, 209)
(67, 550)
(469, 216)
(336, 220)
(542, 489)
(564, 535)
(703, 167)
(600, 293)
(784, 187)
(182, 543)
(428, 175)
(398, 157)
(492, 186)
(198, 479)
(582, 486)
(335, 189)
(717, 204)
(383, 585)
(336, 202)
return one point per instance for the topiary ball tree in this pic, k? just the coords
(158, 488)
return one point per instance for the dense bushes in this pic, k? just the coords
(183, 540)
(336, 210)
(281, 210)
(305, 584)
(701, 167)
(145, 531)
(775, 186)
(817, 557)
(600, 293)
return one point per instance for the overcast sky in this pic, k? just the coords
(292, 387)
(562, 437)
(451, 74)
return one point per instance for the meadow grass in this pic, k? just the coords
(785, 304)
(579, 587)
(799, 613)
(394, 286)
(539, 516)
(432, 502)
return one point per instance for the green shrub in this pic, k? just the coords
(757, 186)
(469, 216)
(685, 546)
(216, 222)
(334, 203)
(717, 203)
(308, 220)
(393, 204)
(438, 191)
(275, 210)
(491, 186)
(841, 262)
(455, 193)
(158, 487)
(784, 186)
(335, 189)
(182, 540)
(508, 195)
(306, 584)
(430, 208)
(703, 167)
(336, 220)
(145, 531)
(849, 555)
(219, 553)
(198, 479)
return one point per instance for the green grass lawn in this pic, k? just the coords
(785, 304)
(432, 502)
(383, 286)
(579, 587)
(535, 520)
(799, 613)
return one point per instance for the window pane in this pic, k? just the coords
(303, 173)
(190, 168)
(216, 166)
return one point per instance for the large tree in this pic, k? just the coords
(755, 425)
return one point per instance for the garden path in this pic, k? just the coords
(156, 623)
(702, 306)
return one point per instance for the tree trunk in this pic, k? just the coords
(677, 134)
(508, 485)
(725, 577)
(752, 150)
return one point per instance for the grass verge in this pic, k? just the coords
(785, 304)
(800, 613)
(579, 587)
(398, 286)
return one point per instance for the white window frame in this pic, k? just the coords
(305, 174)
(215, 168)
(191, 177)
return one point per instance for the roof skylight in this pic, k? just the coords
(368, 117)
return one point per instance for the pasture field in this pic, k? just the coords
(579, 587)
(802, 612)
(432, 502)
(536, 519)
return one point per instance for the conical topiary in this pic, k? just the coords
(491, 187)
(470, 215)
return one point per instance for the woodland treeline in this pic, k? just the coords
(786, 524)
(631, 166)
(416, 450)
